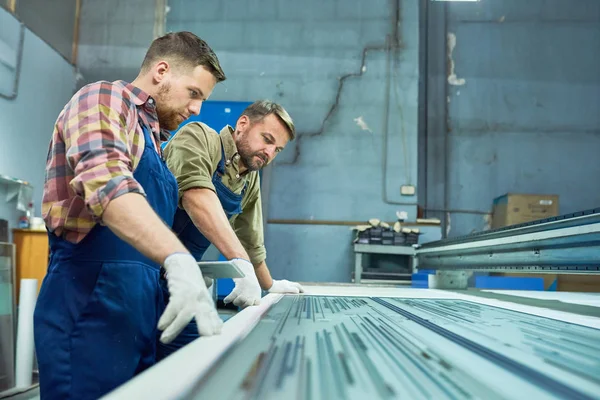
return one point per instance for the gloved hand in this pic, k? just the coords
(285, 286)
(247, 291)
(189, 299)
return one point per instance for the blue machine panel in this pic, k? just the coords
(217, 114)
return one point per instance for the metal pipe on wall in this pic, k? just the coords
(446, 225)
(434, 143)
(424, 99)
(75, 48)
(335, 223)
(458, 211)
(392, 44)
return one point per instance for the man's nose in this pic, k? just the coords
(194, 107)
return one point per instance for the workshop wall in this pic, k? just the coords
(52, 21)
(114, 36)
(46, 83)
(525, 118)
(523, 109)
(295, 53)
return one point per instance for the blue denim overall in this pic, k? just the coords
(98, 307)
(197, 244)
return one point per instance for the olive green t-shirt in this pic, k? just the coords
(193, 155)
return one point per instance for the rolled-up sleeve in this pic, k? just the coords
(248, 225)
(192, 157)
(97, 144)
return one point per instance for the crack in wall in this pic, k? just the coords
(394, 45)
(341, 81)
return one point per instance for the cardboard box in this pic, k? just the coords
(514, 208)
(578, 283)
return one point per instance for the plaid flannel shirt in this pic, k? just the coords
(96, 146)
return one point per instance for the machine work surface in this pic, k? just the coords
(329, 347)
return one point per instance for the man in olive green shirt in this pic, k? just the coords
(219, 198)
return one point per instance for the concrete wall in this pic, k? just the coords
(46, 83)
(295, 53)
(527, 118)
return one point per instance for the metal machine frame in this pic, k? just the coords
(565, 244)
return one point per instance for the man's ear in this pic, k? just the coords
(160, 71)
(242, 123)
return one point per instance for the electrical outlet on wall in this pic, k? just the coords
(407, 190)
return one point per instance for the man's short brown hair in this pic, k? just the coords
(258, 110)
(184, 50)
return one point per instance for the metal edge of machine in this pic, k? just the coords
(565, 244)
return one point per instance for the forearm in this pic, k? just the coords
(132, 219)
(205, 210)
(263, 275)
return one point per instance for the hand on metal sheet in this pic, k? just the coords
(189, 299)
(247, 290)
(285, 286)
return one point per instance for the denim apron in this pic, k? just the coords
(197, 244)
(98, 308)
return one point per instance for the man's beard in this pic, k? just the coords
(248, 158)
(167, 117)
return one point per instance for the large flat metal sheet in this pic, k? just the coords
(352, 342)
(326, 347)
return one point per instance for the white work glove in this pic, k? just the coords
(189, 299)
(285, 286)
(247, 291)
